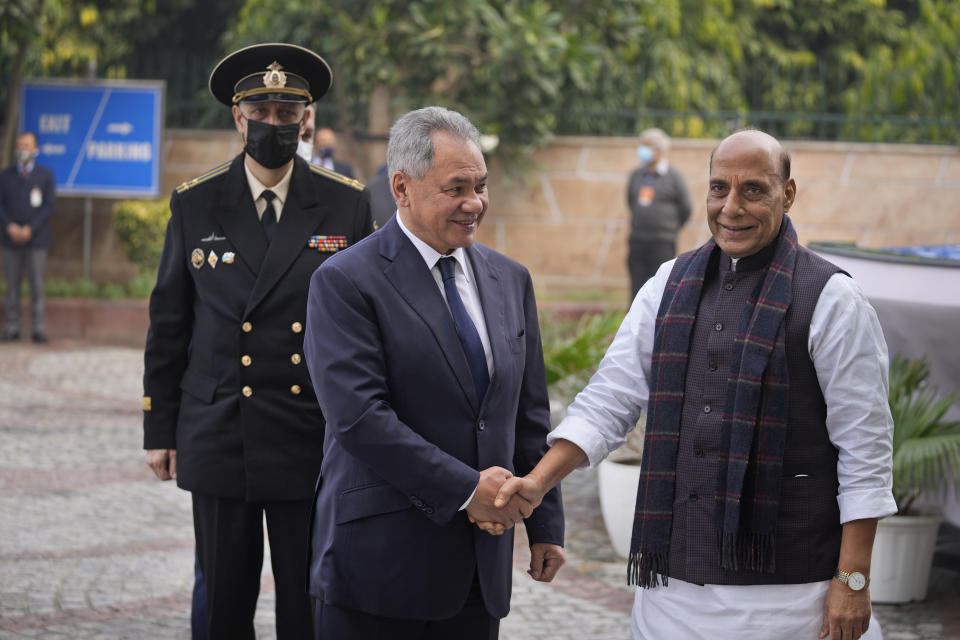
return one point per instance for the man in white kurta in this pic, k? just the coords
(749, 194)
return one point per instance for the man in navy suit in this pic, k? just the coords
(26, 202)
(424, 351)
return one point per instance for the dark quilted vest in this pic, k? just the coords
(808, 527)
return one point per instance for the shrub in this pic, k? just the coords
(141, 225)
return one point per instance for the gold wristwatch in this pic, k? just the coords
(853, 579)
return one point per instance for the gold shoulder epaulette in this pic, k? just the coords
(339, 177)
(189, 184)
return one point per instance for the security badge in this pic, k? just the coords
(327, 244)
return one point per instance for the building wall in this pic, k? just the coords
(567, 220)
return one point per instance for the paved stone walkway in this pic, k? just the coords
(93, 547)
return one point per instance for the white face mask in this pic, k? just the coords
(305, 150)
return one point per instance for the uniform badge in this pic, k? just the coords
(327, 244)
(213, 237)
(228, 257)
(212, 259)
(196, 258)
(274, 78)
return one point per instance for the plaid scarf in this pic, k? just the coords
(754, 419)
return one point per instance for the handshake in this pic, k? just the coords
(502, 500)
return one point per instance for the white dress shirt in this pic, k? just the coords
(849, 354)
(280, 190)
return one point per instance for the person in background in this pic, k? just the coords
(659, 205)
(27, 194)
(305, 146)
(228, 407)
(768, 449)
(382, 204)
(325, 152)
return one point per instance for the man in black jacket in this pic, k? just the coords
(229, 409)
(26, 201)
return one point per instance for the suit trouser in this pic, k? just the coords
(644, 258)
(471, 623)
(229, 536)
(15, 260)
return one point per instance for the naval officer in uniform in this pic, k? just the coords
(229, 410)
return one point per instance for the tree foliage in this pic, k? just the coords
(525, 69)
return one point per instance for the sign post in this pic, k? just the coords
(101, 138)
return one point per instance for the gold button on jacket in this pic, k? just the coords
(296, 358)
(246, 360)
(247, 392)
(295, 389)
(297, 327)
(247, 327)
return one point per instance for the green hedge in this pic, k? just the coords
(141, 225)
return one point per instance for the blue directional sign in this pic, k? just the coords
(100, 138)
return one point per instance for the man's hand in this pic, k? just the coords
(19, 234)
(545, 560)
(481, 508)
(527, 487)
(846, 613)
(163, 462)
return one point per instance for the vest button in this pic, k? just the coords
(247, 327)
(246, 360)
(481, 425)
(713, 366)
(706, 408)
(718, 326)
(247, 392)
(694, 497)
(728, 286)
(698, 453)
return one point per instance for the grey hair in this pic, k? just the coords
(657, 138)
(410, 148)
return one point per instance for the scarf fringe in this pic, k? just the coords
(646, 570)
(747, 551)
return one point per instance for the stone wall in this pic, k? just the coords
(567, 219)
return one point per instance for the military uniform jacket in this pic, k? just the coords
(225, 383)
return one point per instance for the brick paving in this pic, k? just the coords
(93, 547)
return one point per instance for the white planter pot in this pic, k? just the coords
(902, 557)
(618, 499)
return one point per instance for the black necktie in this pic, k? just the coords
(466, 330)
(269, 218)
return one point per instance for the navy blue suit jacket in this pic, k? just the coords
(406, 434)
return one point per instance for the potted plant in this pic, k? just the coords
(926, 457)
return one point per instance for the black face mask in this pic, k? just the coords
(272, 145)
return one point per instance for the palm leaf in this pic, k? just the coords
(926, 447)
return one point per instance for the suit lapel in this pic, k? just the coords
(490, 288)
(301, 214)
(237, 216)
(409, 275)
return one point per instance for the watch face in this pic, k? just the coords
(857, 581)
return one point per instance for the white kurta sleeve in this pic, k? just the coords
(606, 410)
(849, 354)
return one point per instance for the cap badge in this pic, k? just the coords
(196, 258)
(212, 259)
(274, 78)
